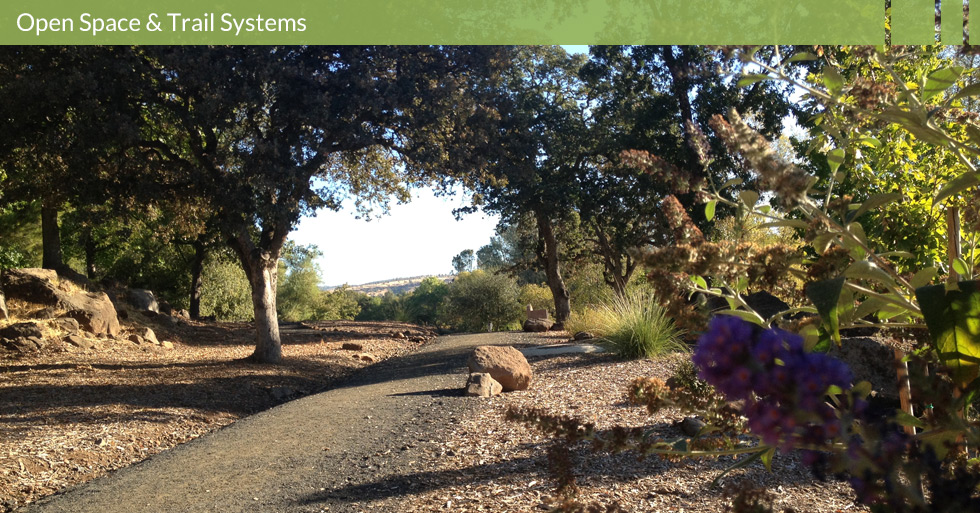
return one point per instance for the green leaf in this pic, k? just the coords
(873, 202)
(765, 209)
(699, 281)
(924, 277)
(749, 198)
(970, 90)
(822, 242)
(956, 186)
(766, 458)
(747, 80)
(904, 419)
(744, 462)
(709, 210)
(834, 159)
(832, 80)
(940, 80)
(862, 389)
(731, 183)
(865, 270)
(961, 267)
(802, 56)
(953, 319)
(792, 223)
(752, 317)
(825, 295)
(870, 142)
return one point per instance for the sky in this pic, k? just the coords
(414, 239)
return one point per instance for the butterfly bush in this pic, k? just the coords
(783, 387)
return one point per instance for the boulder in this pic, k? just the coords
(79, 341)
(22, 344)
(504, 363)
(691, 426)
(166, 344)
(21, 330)
(136, 339)
(583, 335)
(65, 324)
(148, 335)
(482, 384)
(538, 325)
(94, 313)
(144, 300)
(34, 285)
(352, 346)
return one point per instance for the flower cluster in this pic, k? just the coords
(783, 387)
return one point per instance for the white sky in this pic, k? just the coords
(414, 239)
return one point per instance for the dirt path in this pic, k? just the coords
(360, 446)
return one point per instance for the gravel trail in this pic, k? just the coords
(366, 444)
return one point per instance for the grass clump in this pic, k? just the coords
(633, 326)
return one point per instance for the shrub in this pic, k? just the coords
(225, 292)
(422, 306)
(537, 295)
(481, 301)
(634, 326)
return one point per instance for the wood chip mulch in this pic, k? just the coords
(503, 465)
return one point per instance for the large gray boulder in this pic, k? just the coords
(144, 300)
(504, 364)
(538, 325)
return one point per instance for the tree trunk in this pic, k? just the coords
(89, 243)
(552, 270)
(3, 302)
(615, 273)
(197, 278)
(50, 236)
(261, 267)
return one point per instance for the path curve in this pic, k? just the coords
(334, 451)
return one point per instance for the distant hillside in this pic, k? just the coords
(396, 286)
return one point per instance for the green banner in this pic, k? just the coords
(731, 22)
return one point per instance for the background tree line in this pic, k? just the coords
(156, 167)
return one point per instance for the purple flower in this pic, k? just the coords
(783, 386)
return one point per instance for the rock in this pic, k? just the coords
(22, 344)
(504, 363)
(45, 313)
(538, 325)
(21, 330)
(352, 346)
(79, 341)
(182, 314)
(65, 324)
(122, 314)
(398, 334)
(136, 339)
(148, 335)
(691, 426)
(583, 335)
(366, 357)
(144, 300)
(281, 393)
(94, 313)
(34, 285)
(166, 344)
(482, 384)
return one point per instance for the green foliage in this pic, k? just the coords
(481, 301)
(422, 305)
(298, 295)
(538, 296)
(633, 326)
(226, 293)
(388, 307)
(340, 303)
(464, 261)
